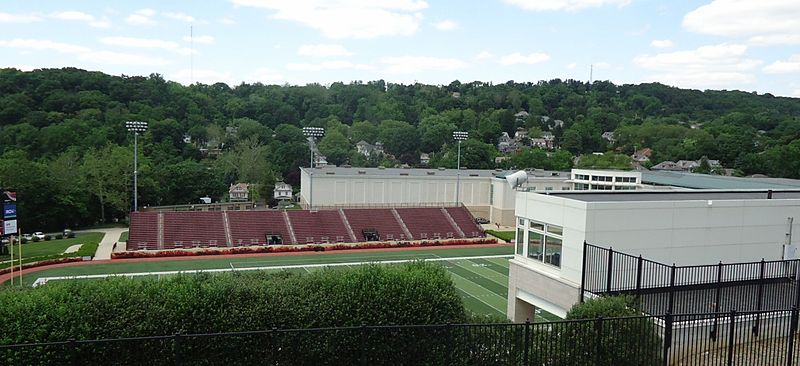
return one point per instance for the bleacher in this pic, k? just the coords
(246, 228)
(427, 223)
(465, 221)
(251, 227)
(324, 226)
(380, 220)
(193, 230)
(143, 231)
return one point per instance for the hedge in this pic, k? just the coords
(416, 293)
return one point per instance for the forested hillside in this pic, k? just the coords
(64, 147)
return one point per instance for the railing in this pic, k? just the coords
(642, 340)
(383, 205)
(662, 289)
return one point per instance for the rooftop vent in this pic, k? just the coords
(473, 175)
(346, 166)
(403, 173)
(381, 167)
(362, 172)
(330, 173)
(431, 173)
(441, 168)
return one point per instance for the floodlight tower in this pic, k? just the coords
(136, 127)
(459, 136)
(312, 133)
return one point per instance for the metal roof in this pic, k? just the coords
(428, 172)
(700, 195)
(705, 181)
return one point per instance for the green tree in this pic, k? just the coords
(335, 146)
(108, 176)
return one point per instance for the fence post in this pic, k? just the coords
(609, 268)
(671, 303)
(759, 300)
(177, 349)
(449, 345)
(73, 352)
(639, 266)
(731, 334)
(667, 337)
(365, 351)
(583, 272)
(598, 354)
(792, 331)
(716, 302)
(526, 352)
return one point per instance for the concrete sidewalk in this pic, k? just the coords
(106, 245)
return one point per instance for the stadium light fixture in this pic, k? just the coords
(459, 136)
(312, 133)
(136, 127)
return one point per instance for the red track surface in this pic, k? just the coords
(7, 276)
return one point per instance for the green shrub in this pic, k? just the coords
(48, 237)
(627, 337)
(71, 235)
(36, 239)
(24, 241)
(59, 236)
(416, 293)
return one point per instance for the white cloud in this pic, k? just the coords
(79, 16)
(715, 66)
(416, 64)
(348, 18)
(19, 18)
(518, 58)
(265, 75)
(323, 50)
(146, 43)
(765, 21)
(141, 17)
(569, 5)
(796, 93)
(227, 21)
(83, 53)
(446, 25)
(792, 65)
(662, 43)
(327, 65)
(572, 66)
(200, 39)
(180, 17)
(484, 55)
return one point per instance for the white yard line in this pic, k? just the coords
(43, 280)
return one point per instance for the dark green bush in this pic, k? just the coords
(59, 236)
(48, 237)
(409, 294)
(36, 239)
(24, 241)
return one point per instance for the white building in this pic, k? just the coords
(282, 191)
(681, 227)
(609, 180)
(239, 192)
(484, 192)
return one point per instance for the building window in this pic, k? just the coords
(535, 244)
(552, 254)
(581, 177)
(548, 188)
(553, 229)
(520, 240)
(581, 186)
(537, 226)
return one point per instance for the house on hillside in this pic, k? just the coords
(609, 136)
(367, 149)
(282, 191)
(642, 155)
(667, 165)
(424, 159)
(521, 116)
(521, 134)
(551, 123)
(239, 192)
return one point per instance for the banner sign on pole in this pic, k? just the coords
(10, 226)
(10, 211)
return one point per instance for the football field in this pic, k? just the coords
(480, 274)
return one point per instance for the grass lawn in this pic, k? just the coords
(43, 250)
(123, 237)
(504, 235)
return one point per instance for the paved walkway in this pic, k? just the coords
(106, 245)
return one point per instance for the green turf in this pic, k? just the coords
(482, 283)
(52, 249)
(508, 236)
(123, 237)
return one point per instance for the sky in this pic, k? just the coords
(700, 44)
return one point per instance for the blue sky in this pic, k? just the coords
(710, 44)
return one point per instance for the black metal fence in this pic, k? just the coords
(713, 288)
(644, 340)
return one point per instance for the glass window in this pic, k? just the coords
(537, 226)
(520, 241)
(521, 222)
(548, 188)
(535, 243)
(553, 229)
(552, 254)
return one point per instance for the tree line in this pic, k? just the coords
(64, 146)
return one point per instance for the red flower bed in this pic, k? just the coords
(302, 248)
(41, 263)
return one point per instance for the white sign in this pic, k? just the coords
(10, 227)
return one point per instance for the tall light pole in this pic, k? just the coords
(136, 127)
(312, 133)
(459, 136)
